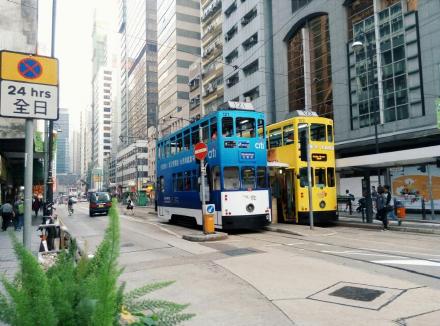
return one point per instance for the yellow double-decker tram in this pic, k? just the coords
(288, 172)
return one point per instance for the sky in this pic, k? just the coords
(73, 48)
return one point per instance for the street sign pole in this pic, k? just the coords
(202, 180)
(28, 176)
(309, 178)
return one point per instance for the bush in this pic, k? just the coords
(84, 292)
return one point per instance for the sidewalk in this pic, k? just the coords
(138, 211)
(408, 225)
(8, 260)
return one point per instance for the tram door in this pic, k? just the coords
(289, 195)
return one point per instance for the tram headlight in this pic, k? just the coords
(322, 204)
(250, 208)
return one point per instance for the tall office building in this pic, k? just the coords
(138, 29)
(248, 53)
(179, 46)
(62, 126)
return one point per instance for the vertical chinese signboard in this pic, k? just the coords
(28, 86)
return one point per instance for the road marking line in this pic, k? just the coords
(351, 252)
(294, 244)
(414, 262)
(401, 252)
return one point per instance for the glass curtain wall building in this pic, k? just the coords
(138, 67)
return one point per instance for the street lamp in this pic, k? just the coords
(358, 46)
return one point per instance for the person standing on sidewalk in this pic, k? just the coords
(19, 213)
(389, 207)
(36, 205)
(7, 212)
(381, 200)
(349, 204)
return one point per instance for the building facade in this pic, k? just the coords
(132, 167)
(138, 29)
(62, 126)
(368, 64)
(248, 53)
(179, 46)
(212, 55)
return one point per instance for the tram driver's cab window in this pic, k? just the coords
(227, 127)
(248, 177)
(231, 178)
(320, 177)
(245, 127)
(215, 177)
(317, 132)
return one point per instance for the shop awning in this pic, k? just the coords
(397, 158)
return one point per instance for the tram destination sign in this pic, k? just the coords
(28, 86)
(318, 157)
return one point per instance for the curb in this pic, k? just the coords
(200, 237)
(391, 227)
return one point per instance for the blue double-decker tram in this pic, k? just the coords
(236, 182)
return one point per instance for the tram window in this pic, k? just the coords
(245, 127)
(231, 178)
(275, 138)
(288, 135)
(227, 126)
(261, 177)
(187, 181)
(329, 133)
(179, 181)
(320, 177)
(215, 177)
(317, 132)
(205, 131)
(248, 177)
(174, 179)
(331, 177)
(167, 148)
(213, 129)
(186, 139)
(173, 146)
(195, 135)
(261, 129)
(162, 184)
(194, 181)
(303, 179)
(179, 143)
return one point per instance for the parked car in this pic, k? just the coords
(100, 203)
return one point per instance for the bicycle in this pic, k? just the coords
(70, 209)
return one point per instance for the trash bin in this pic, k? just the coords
(400, 210)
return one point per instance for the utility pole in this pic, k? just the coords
(49, 186)
(309, 178)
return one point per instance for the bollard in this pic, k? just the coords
(423, 209)
(208, 226)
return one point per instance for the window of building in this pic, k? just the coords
(297, 4)
(107, 109)
(232, 56)
(251, 68)
(232, 7)
(365, 112)
(231, 81)
(245, 127)
(249, 17)
(231, 33)
(319, 64)
(252, 94)
(108, 78)
(250, 42)
(107, 103)
(107, 134)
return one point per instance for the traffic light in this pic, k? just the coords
(303, 147)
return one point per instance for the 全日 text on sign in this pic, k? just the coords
(28, 86)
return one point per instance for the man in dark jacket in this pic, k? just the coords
(381, 207)
(7, 212)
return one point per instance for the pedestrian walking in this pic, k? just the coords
(36, 205)
(19, 213)
(7, 212)
(381, 208)
(349, 204)
(130, 206)
(389, 207)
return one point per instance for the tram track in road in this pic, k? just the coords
(348, 249)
